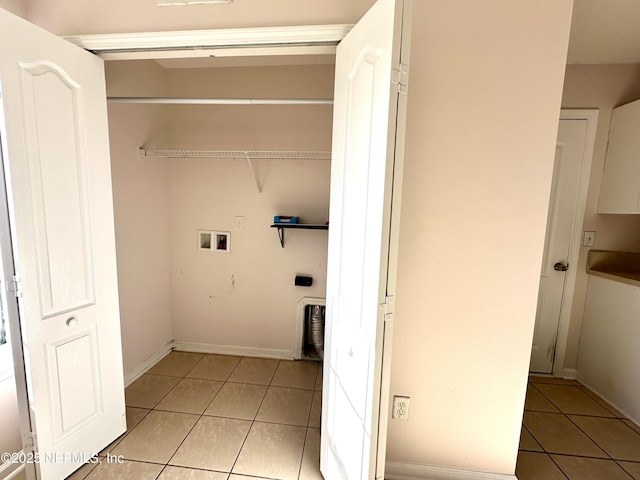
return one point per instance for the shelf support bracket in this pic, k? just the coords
(281, 236)
(253, 173)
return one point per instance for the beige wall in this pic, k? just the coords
(19, 7)
(168, 288)
(602, 87)
(247, 298)
(10, 438)
(479, 158)
(116, 16)
(141, 211)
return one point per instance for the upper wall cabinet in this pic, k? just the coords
(620, 188)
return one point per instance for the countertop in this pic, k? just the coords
(621, 267)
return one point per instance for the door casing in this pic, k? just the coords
(307, 40)
(591, 116)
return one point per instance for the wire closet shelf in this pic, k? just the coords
(247, 155)
(237, 154)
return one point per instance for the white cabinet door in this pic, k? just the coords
(620, 187)
(56, 156)
(363, 163)
(609, 358)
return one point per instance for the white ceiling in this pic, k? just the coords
(605, 31)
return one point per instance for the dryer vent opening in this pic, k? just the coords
(311, 321)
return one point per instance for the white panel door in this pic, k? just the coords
(560, 224)
(56, 155)
(363, 164)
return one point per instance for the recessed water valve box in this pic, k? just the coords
(303, 281)
(212, 241)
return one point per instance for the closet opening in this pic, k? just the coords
(197, 187)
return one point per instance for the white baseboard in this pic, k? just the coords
(410, 471)
(137, 372)
(605, 397)
(234, 350)
(149, 362)
(10, 470)
(569, 373)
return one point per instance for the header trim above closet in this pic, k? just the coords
(189, 43)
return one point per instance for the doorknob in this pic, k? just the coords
(560, 267)
(71, 322)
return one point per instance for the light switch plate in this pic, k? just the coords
(589, 239)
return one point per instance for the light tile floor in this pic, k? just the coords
(213, 417)
(570, 433)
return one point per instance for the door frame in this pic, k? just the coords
(7, 264)
(591, 116)
(297, 40)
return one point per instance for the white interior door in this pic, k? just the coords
(368, 63)
(56, 154)
(570, 151)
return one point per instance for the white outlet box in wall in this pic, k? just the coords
(214, 241)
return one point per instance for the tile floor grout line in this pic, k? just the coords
(567, 417)
(194, 423)
(127, 432)
(304, 445)
(624, 469)
(252, 421)
(234, 369)
(558, 466)
(194, 366)
(201, 415)
(160, 474)
(589, 436)
(534, 438)
(548, 399)
(611, 414)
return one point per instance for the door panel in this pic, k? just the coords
(57, 163)
(56, 158)
(363, 163)
(75, 394)
(560, 224)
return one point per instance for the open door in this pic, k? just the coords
(57, 170)
(371, 76)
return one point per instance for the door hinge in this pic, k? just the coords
(387, 308)
(29, 441)
(400, 77)
(14, 286)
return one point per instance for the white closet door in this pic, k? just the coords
(56, 155)
(363, 162)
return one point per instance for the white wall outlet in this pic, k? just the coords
(589, 239)
(400, 408)
(239, 223)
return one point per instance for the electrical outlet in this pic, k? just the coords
(239, 223)
(400, 408)
(589, 239)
